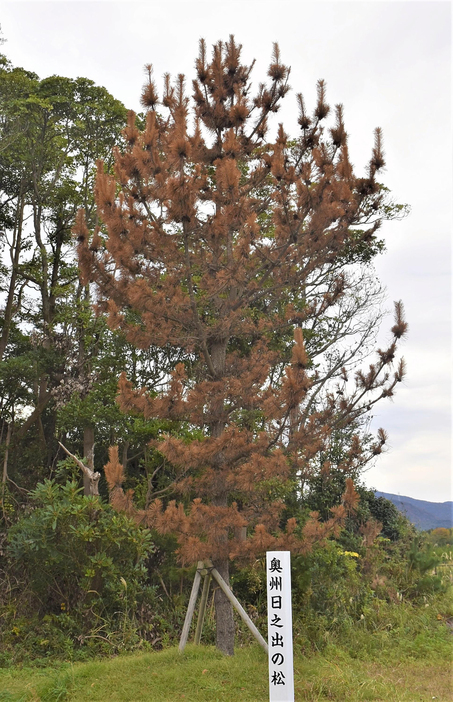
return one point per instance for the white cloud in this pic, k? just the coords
(419, 467)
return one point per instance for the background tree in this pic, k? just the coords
(59, 363)
(226, 245)
(52, 131)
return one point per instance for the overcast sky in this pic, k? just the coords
(389, 63)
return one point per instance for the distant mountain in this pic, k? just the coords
(424, 515)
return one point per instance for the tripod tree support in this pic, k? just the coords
(209, 570)
(190, 608)
(203, 602)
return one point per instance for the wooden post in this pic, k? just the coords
(190, 608)
(280, 626)
(202, 610)
(241, 611)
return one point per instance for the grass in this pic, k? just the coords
(394, 653)
(202, 674)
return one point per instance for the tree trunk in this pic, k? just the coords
(92, 476)
(223, 608)
(39, 409)
(224, 622)
(88, 453)
(5, 468)
(15, 251)
(5, 460)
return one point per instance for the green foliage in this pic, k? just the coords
(77, 553)
(82, 568)
(52, 131)
(422, 560)
(328, 582)
(18, 370)
(325, 491)
(385, 512)
(440, 537)
(368, 599)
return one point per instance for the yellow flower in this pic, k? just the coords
(351, 553)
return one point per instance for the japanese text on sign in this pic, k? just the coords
(280, 634)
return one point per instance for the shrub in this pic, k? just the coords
(441, 536)
(77, 553)
(80, 568)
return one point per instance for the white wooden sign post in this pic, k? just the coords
(280, 626)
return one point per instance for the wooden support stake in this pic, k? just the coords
(202, 610)
(241, 611)
(190, 608)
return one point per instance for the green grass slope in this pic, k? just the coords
(201, 673)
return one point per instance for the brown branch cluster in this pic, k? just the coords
(201, 530)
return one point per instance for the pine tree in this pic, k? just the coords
(235, 248)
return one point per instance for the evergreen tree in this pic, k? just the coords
(238, 248)
(51, 133)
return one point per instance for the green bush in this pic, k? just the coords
(328, 582)
(440, 536)
(385, 512)
(80, 569)
(77, 553)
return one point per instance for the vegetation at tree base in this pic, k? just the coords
(236, 304)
